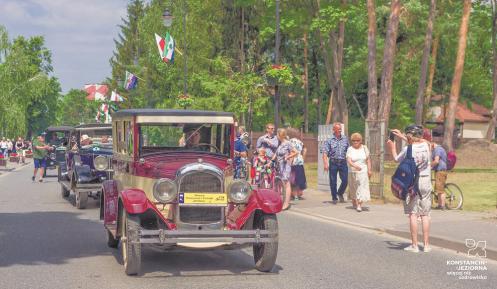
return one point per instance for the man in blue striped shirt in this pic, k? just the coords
(334, 152)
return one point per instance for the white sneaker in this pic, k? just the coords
(412, 249)
(427, 249)
(359, 209)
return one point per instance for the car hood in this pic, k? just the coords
(166, 165)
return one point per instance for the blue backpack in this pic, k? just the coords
(406, 176)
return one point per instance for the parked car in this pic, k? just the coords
(88, 157)
(57, 137)
(173, 187)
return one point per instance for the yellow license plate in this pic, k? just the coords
(203, 198)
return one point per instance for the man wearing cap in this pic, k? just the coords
(40, 150)
(334, 152)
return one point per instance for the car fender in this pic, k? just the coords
(109, 202)
(134, 201)
(269, 200)
(266, 200)
(83, 174)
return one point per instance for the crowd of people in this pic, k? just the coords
(351, 162)
(15, 148)
(278, 154)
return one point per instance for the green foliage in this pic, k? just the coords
(280, 74)
(28, 96)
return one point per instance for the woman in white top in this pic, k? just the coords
(359, 171)
(420, 205)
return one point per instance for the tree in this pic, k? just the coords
(373, 100)
(388, 61)
(332, 20)
(424, 65)
(28, 96)
(456, 81)
(493, 122)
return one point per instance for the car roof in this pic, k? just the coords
(93, 126)
(60, 128)
(147, 115)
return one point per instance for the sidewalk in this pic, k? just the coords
(13, 166)
(449, 229)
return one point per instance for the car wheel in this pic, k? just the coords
(112, 242)
(130, 248)
(81, 199)
(265, 253)
(64, 191)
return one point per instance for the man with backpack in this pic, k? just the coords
(414, 168)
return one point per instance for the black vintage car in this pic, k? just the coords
(57, 137)
(88, 157)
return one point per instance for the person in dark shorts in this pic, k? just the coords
(40, 151)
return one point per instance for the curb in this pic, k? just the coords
(4, 173)
(438, 241)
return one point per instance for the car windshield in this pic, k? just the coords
(213, 138)
(97, 137)
(57, 138)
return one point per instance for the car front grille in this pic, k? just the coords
(200, 182)
(204, 183)
(200, 215)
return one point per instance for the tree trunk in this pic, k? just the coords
(434, 53)
(424, 65)
(306, 84)
(388, 62)
(493, 121)
(337, 109)
(456, 80)
(372, 78)
(318, 85)
(242, 40)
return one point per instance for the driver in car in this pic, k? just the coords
(192, 138)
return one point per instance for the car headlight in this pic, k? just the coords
(239, 191)
(101, 163)
(165, 190)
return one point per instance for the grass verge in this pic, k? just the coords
(479, 186)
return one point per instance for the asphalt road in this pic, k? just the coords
(47, 243)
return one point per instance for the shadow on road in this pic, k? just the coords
(160, 263)
(397, 245)
(48, 237)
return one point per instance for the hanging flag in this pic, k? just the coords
(103, 114)
(96, 91)
(116, 97)
(169, 49)
(161, 43)
(166, 47)
(131, 81)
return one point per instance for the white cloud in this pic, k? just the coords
(79, 33)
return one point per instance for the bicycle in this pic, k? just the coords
(453, 197)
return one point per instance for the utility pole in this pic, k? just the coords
(277, 62)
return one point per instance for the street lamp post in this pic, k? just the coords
(167, 18)
(277, 62)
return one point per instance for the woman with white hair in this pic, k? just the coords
(359, 171)
(418, 206)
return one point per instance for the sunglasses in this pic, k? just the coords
(269, 127)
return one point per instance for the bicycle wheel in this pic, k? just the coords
(453, 196)
(434, 200)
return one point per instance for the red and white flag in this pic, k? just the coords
(116, 97)
(96, 91)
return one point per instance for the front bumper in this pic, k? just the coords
(190, 236)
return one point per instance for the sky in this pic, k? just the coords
(79, 33)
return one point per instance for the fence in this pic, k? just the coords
(375, 141)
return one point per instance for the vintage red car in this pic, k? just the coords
(172, 186)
